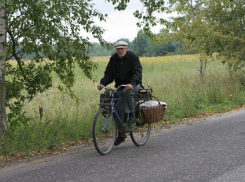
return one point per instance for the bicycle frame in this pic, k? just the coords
(113, 110)
(108, 120)
(113, 99)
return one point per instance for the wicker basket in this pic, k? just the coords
(153, 114)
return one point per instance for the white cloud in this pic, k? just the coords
(119, 24)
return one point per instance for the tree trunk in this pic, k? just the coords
(203, 65)
(3, 33)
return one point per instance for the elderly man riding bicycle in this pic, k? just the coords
(124, 67)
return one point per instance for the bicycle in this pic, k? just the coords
(105, 126)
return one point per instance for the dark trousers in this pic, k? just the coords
(126, 105)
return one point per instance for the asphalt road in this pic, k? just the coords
(211, 149)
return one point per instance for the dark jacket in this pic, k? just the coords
(123, 71)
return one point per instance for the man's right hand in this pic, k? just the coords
(129, 87)
(100, 87)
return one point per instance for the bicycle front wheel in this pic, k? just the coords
(104, 131)
(140, 133)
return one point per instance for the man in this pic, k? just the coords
(125, 68)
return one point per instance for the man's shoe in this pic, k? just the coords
(120, 139)
(121, 128)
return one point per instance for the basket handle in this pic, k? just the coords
(156, 99)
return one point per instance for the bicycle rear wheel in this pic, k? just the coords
(104, 131)
(140, 132)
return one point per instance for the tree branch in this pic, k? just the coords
(14, 50)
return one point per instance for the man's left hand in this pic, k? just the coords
(129, 87)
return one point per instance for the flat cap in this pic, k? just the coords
(121, 44)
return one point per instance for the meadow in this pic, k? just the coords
(175, 80)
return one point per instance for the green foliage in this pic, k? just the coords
(146, 16)
(44, 136)
(47, 30)
(208, 27)
(139, 43)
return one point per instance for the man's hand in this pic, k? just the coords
(129, 87)
(100, 87)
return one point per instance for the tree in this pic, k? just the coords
(228, 36)
(98, 50)
(3, 31)
(140, 43)
(50, 30)
(144, 45)
(208, 27)
(47, 30)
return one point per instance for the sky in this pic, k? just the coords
(119, 24)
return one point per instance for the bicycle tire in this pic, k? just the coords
(140, 132)
(104, 131)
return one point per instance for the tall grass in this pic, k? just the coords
(174, 79)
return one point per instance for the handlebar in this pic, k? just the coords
(113, 89)
(121, 86)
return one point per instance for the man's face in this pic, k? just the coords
(121, 52)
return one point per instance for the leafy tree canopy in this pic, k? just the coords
(207, 27)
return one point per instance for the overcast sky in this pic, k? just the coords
(119, 24)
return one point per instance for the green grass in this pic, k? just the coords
(174, 79)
